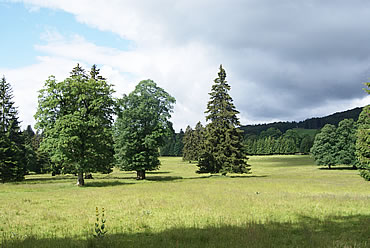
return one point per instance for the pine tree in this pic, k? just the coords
(12, 161)
(363, 140)
(223, 148)
(179, 145)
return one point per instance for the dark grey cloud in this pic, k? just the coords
(285, 57)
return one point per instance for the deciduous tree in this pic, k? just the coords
(323, 149)
(76, 118)
(141, 127)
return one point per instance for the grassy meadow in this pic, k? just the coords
(287, 201)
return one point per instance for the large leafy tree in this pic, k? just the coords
(363, 140)
(324, 147)
(76, 118)
(346, 140)
(141, 127)
(223, 148)
(12, 163)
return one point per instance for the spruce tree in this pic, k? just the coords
(11, 143)
(223, 148)
(199, 139)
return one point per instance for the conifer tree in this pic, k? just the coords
(189, 150)
(199, 139)
(12, 163)
(223, 148)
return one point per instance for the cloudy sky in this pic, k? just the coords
(285, 59)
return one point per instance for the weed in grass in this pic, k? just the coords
(100, 229)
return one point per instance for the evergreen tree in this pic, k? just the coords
(346, 142)
(189, 150)
(12, 163)
(179, 145)
(223, 148)
(30, 153)
(76, 118)
(323, 149)
(168, 148)
(198, 139)
(363, 140)
(141, 127)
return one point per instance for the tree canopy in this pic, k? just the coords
(75, 117)
(141, 127)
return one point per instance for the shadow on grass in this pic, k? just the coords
(157, 172)
(105, 183)
(349, 231)
(163, 178)
(338, 168)
(248, 176)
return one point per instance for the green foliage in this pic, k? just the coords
(141, 127)
(363, 142)
(189, 152)
(324, 147)
(223, 148)
(99, 226)
(306, 144)
(12, 160)
(346, 142)
(76, 118)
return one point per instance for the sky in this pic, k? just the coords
(285, 60)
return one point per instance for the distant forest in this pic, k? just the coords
(312, 123)
(272, 138)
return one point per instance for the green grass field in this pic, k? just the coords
(287, 201)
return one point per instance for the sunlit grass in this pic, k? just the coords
(284, 195)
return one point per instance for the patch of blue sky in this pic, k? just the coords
(22, 29)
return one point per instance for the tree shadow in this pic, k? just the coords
(248, 176)
(336, 231)
(106, 183)
(163, 178)
(157, 172)
(338, 168)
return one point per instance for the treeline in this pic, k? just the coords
(77, 133)
(173, 144)
(273, 141)
(312, 123)
(347, 144)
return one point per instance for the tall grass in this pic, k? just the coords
(286, 201)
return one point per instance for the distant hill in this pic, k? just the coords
(312, 123)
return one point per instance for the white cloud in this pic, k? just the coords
(285, 61)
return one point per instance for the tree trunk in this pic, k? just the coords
(140, 175)
(329, 166)
(80, 179)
